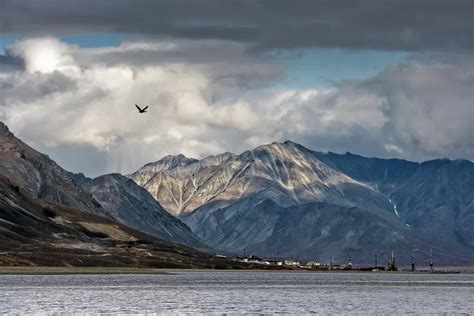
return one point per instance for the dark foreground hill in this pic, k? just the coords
(47, 219)
(36, 232)
(112, 196)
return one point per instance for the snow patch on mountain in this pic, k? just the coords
(394, 207)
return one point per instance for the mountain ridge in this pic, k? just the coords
(37, 180)
(279, 198)
(40, 175)
(133, 206)
(292, 175)
(37, 232)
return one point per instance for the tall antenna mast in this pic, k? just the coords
(393, 266)
(413, 259)
(431, 260)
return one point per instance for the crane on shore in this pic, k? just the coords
(390, 260)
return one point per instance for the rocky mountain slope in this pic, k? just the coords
(323, 231)
(281, 172)
(111, 196)
(217, 196)
(36, 232)
(133, 206)
(182, 184)
(40, 176)
(433, 196)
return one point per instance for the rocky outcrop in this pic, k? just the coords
(40, 175)
(133, 206)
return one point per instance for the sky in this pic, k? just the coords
(373, 77)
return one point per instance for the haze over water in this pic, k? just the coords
(239, 292)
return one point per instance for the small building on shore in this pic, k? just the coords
(291, 263)
(313, 264)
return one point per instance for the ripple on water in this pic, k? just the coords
(238, 292)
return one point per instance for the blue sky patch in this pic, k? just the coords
(321, 68)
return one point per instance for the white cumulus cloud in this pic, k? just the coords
(207, 97)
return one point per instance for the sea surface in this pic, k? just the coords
(239, 292)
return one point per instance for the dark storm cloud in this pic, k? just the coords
(373, 24)
(10, 63)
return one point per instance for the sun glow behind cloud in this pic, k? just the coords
(44, 56)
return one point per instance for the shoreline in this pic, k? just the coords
(12, 270)
(22, 270)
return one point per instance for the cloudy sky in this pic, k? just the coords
(373, 77)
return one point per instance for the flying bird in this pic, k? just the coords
(140, 110)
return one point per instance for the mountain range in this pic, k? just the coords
(277, 200)
(283, 199)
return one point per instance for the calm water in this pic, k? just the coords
(239, 292)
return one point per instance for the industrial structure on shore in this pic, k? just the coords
(390, 264)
